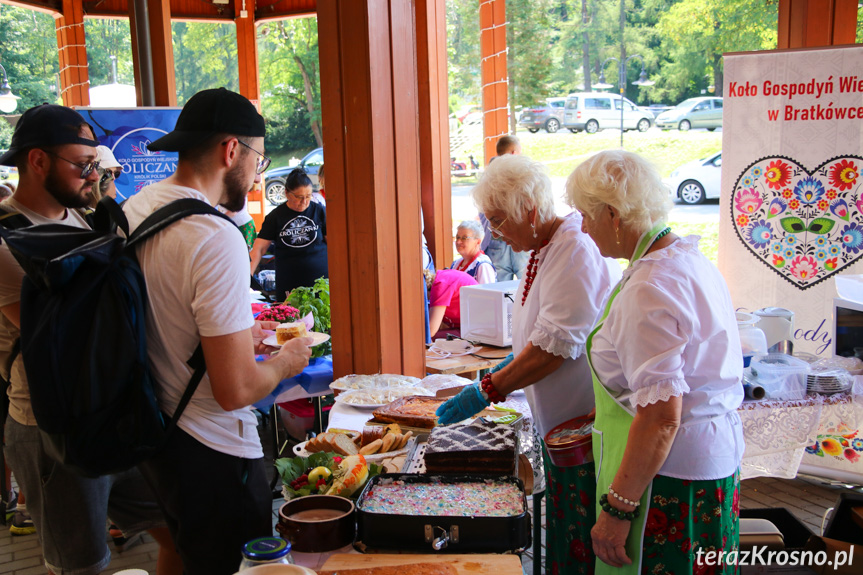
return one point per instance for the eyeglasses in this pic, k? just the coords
(495, 230)
(86, 169)
(302, 198)
(263, 161)
(464, 238)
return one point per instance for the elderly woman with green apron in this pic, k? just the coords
(666, 363)
(556, 305)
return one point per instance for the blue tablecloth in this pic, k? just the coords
(313, 381)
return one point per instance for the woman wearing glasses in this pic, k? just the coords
(299, 229)
(472, 260)
(555, 307)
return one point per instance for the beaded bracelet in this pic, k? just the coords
(488, 387)
(622, 499)
(606, 506)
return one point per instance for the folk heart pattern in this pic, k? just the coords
(804, 225)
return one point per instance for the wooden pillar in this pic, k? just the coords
(435, 181)
(160, 48)
(247, 53)
(370, 127)
(811, 23)
(74, 73)
(492, 44)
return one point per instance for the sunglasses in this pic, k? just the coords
(86, 169)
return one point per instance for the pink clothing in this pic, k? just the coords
(445, 291)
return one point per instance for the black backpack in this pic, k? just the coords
(83, 338)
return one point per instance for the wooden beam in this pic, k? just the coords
(162, 50)
(247, 53)
(812, 23)
(435, 180)
(495, 99)
(370, 126)
(72, 52)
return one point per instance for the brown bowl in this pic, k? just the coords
(318, 523)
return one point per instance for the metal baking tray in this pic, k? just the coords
(443, 534)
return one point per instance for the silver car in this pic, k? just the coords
(693, 113)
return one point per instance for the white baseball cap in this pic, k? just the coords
(106, 158)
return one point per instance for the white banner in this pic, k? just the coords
(791, 211)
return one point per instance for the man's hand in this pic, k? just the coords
(295, 356)
(259, 335)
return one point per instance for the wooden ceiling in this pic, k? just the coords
(184, 9)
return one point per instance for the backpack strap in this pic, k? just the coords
(109, 216)
(13, 220)
(170, 213)
(197, 363)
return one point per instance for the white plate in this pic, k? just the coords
(372, 398)
(317, 339)
(300, 450)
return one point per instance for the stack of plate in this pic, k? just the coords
(827, 383)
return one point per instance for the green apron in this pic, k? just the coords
(611, 432)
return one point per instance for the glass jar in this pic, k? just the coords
(266, 551)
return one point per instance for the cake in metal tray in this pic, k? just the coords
(479, 447)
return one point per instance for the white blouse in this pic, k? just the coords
(572, 279)
(671, 332)
(481, 269)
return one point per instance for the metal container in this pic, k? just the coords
(440, 533)
(570, 443)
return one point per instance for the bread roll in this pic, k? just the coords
(371, 433)
(372, 447)
(388, 441)
(405, 438)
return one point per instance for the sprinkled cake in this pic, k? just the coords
(468, 498)
(480, 447)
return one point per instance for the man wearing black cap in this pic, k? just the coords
(211, 479)
(54, 150)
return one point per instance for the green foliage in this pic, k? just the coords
(5, 134)
(315, 299)
(709, 232)
(290, 133)
(205, 56)
(108, 37)
(529, 38)
(29, 55)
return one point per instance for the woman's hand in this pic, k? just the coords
(609, 538)
(467, 403)
(259, 335)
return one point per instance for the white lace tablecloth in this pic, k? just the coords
(778, 433)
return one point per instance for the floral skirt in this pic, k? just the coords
(687, 516)
(249, 233)
(570, 501)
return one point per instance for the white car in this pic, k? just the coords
(697, 181)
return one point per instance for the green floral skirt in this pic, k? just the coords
(249, 233)
(570, 501)
(687, 516)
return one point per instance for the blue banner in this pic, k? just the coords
(127, 133)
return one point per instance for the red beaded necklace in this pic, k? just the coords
(530, 271)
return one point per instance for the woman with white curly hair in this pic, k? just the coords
(556, 305)
(666, 365)
(472, 260)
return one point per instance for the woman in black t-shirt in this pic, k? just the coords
(299, 229)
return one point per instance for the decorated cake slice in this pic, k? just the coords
(480, 447)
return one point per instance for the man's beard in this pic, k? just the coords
(237, 186)
(65, 194)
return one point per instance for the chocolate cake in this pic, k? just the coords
(480, 447)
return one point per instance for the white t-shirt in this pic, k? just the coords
(571, 281)
(671, 331)
(11, 278)
(197, 273)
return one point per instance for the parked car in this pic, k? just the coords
(698, 180)
(274, 179)
(693, 113)
(594, 111)
(548, 116)
(5, 172)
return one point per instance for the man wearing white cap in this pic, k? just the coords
(109, 170)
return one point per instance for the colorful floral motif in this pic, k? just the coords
(805, 225)
(570, 512)
(840, 442)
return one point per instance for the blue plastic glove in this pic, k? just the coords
(466, 404)
(502, 364)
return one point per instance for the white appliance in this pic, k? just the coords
(847, 327)
(486, 312)
(777, 323)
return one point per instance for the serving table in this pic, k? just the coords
(486, 357)
(464, 564)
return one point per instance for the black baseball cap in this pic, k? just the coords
(44, 126)
(209, 112)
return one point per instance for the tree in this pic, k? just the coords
(205, 56)
(695, 34)
(108, 37)
(289, 71)
(29, 55)
(463, 54)
(529, 38)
